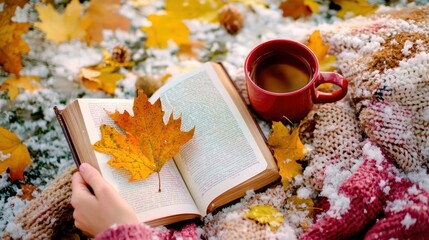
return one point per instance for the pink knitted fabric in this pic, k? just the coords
(374, 188)
(142, 231)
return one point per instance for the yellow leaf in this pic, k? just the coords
(186, 50)
(302, 204)
(12, 46)
(14, 155)
(189, 9)
(266, 214)
(320, 49)
(248, 3)
(164, 28)
(104, 14)
(13, 84)
(357, 7)
(103, 76)
(148, 143)
(287, 148)
(60, 28)
(299, 8)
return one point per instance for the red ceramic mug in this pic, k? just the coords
(281, 78)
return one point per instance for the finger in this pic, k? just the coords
(92, 177)
(78, 184)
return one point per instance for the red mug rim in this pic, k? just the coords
(290, 42)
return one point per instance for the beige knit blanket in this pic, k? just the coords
(386, 60)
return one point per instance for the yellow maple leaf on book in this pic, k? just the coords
(145, 143)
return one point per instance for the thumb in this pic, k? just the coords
(92, 177)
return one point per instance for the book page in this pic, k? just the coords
(222, 153)
(142, 195)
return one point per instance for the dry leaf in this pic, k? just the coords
(287, 148)
(320, 49)
(302, 204)
(357, 7)
(63, 27)
(164, 28)
(13, 84)
(148, 143)
(14, 155)
(186, 50)
(27, 191)
(104, 14)
(19, 3)
(191, 9)
(103, 76)
(266, 214)
(12, 46)
(299, 8)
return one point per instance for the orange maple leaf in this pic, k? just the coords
(13, 84)
(287, 148)
(186, 50)
(12, 46)
(104, 14)
(147, 144)
(299, 8)
(14, 155)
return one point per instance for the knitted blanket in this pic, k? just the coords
(367, 172)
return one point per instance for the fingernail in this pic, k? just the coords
(83, 167)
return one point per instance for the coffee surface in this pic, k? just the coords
(281, 73)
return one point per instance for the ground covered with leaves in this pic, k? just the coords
(53, 51)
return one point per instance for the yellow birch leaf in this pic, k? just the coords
(13, 84)
(287, 148)
(266, 214)
(164, 28)
(147, 144)
(60, 28)
(104, 14)
(14, 155)
(357, 7)
(12, 46)
(190, 9)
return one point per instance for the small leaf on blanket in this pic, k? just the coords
(266, 214)
(287, 148)
(320, 49)
(301, 204)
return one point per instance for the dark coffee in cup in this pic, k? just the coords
(281, 72)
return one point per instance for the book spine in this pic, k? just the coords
(63, 126)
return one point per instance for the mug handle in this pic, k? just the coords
(330, 77)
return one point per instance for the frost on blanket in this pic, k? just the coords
(368, 167)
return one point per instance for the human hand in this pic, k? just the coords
(95, 212)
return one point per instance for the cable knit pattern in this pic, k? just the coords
(376, 187)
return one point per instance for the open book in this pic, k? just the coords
(226, 157)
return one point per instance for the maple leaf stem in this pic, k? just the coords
(159, 182)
